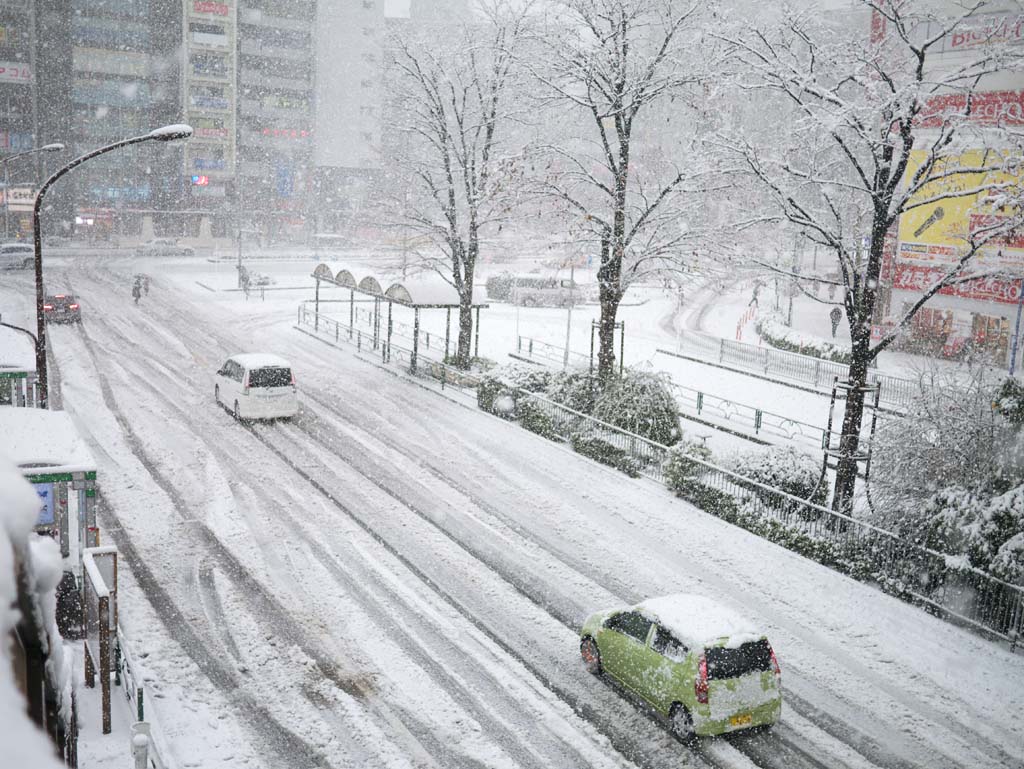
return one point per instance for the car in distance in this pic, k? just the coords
(694, 661)
(257, 386)
(16, 256)
(62, 308)
(164, 247)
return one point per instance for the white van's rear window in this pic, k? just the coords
(270, 377)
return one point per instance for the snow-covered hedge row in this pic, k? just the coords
(773, 330)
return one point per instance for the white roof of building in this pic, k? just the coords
(699, 621)
(40, 441)
(16, 351)
(260, 359)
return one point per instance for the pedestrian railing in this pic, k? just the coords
(939, 582)
(543, 352)
(817, 372)
(720, 412)
(413, 361)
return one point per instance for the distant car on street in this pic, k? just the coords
(62, 308)
(706, 669)
(257, 386)
(17, 256)
(164, 247)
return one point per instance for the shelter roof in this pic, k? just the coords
(42, 442)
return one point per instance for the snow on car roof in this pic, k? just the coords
(42, 442)
(259, 360)
(699, 621)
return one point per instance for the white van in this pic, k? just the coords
(257, 386)
(17, 256)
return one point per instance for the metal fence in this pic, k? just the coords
(535, 349)
(700, 403)
(413, 361)
(917, 574)
(817, 372)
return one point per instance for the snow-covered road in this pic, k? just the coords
(396, 580)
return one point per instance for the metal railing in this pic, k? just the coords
(817, 372)
(700, 403)
(415, 362)
(918, 574)
(535, 349)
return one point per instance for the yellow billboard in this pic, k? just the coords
(937, 233)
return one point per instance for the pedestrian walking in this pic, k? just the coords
(137, 290)
(835, 316)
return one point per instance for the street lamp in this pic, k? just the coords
(55, 147)
(166, 134)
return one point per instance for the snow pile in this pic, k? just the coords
(773, 330)
(24, 744)
(698, 621)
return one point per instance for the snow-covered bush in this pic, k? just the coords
(988, 532)
(773, 330)
(499, 287)
(509, 380)
(574, 389)
(952, 436)
(535, 419)
(641, 403)
(595, 447)
(1009, 401)
(785, 469)
(681, 470)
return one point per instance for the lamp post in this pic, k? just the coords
(55, 147)
(166, 134)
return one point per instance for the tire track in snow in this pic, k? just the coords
(525, 759)
(290, 746)
(568, 616)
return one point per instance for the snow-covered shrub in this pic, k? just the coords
(682, 472)
(773, 330)
(595, 447)
(951, 436)
(785, 469)
(535, 419)
(1000, 538)
(574, 389)
(642, 403)
(509, 380)
(1009, 401)
(499, 287)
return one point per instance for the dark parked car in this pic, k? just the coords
(62, 308)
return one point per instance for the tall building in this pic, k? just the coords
(349, 64)
(276, 55)
(208, 82)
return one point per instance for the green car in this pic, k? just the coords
(700, 665)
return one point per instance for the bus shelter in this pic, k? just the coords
(19, 385)
(418, 294)
(48, 451)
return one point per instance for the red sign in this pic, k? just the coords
(286, 133)
(211, 133)
(920, 278)
(207, 6)
(1004, 108)
(15, 72)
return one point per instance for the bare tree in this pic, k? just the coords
(870, 127)
(615, 63)
(452, 96)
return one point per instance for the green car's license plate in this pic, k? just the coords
(745, 720)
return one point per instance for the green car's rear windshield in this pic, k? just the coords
(751, 657)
